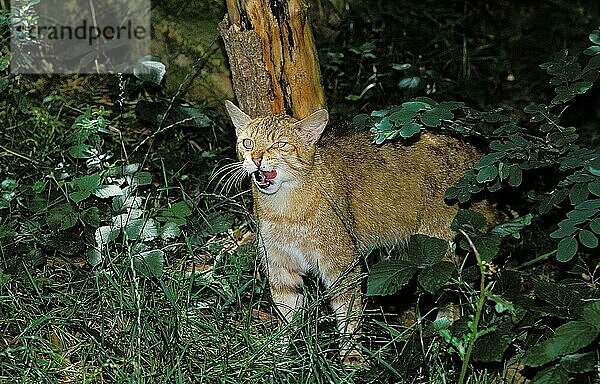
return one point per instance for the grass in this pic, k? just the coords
(199, 312)
(207, 317)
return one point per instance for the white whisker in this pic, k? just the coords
(232, 181)
(229, 176)
(226, 175)
(224, 169)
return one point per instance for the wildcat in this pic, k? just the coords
(322, 199)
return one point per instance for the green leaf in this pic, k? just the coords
(513, 227)
(433, 277)
(495, 186)
(426, 251)
(4, 81)
(591, 313)
(119, 221)
(194, 115)
(451, 193)
(219, 223)
(488, 160)
(106, 234)
(141, 178)
(149, 69)
(515, 177)
(503, 170)
(141, 229)
(567, 339)
(127, 200)
(181, 209)
(169, 231)
(594, 187)
(537, 118)
(520, 141)
(179, 221)
(486, 174)
(9, 184)
(388, 277)
(558, 295)
(81, 151)
(4, 277)
(556, 197)
(488, 245)
(470, 220)
(509, 283)
(578, 194)
(93, 257)
(401, 67)
(149, 263)
(579, 363)
(38, 187)
(564, 232)
(491, 346)
(409, 130)
(502, 305)
(79, 196)
(106, 191)
(450, 105)
(384, 127)
(409, 82)
(61, 217)
(7, 231)
(588, 239)
(578, 216)
(595, 225)
(567, 248)
(464, 196)
(130, 169)
(91, 216)
(552, 375)
(532, 108)
(434, 117)
(87, 183)
(589, 204)
(380, 113)
(595, 37)
(359, 122)
(581, 177)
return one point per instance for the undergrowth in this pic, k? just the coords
(550, 330)
(120, 263)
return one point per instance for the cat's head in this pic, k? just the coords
(276, 149)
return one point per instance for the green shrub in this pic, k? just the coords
(554, 328)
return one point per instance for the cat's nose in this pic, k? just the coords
(257, 160)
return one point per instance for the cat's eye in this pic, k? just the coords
(279, 145)
(247, 143)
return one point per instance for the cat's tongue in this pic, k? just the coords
(269, 175)
(264, 179)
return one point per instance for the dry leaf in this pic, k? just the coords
(262, 315)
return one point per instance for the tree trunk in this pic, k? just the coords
(272, 57)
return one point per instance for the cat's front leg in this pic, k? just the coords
(286, 288)
(347, 305)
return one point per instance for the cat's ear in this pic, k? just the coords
(238, 118)
(311, 127)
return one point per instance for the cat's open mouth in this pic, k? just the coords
(264, 179)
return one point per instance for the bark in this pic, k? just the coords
(272, 57)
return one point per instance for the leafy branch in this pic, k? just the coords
(514, 150)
